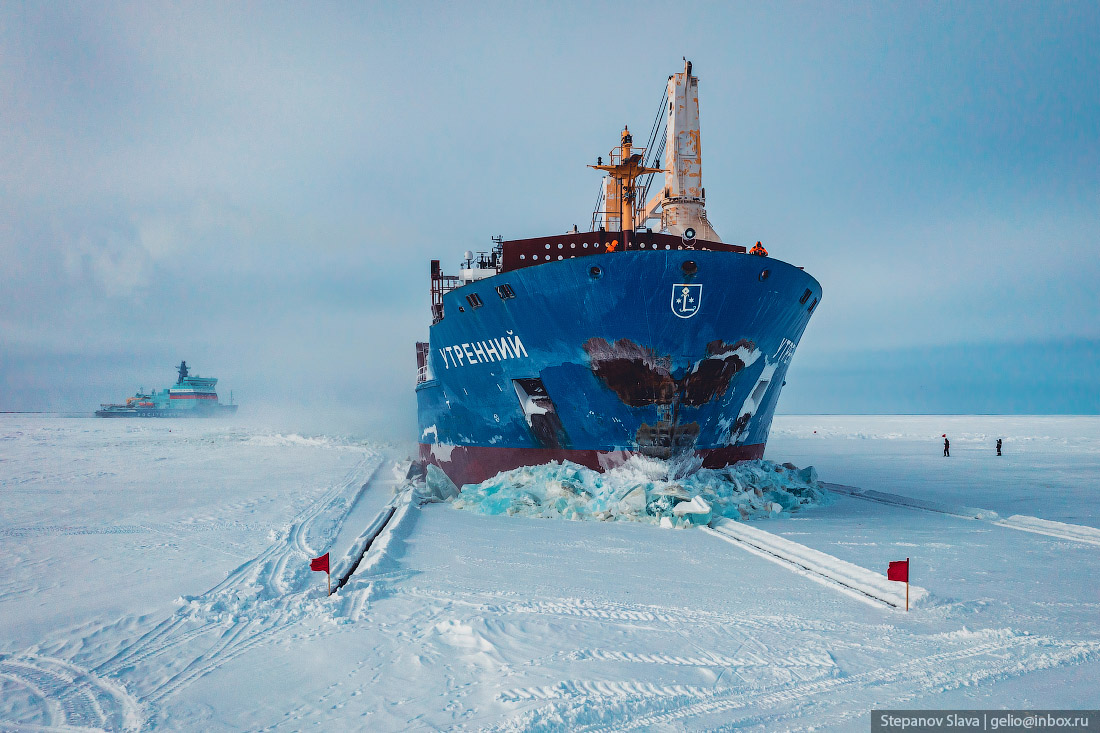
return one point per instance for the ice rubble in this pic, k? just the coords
(646, 490)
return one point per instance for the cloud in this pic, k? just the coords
(116, 263)
(246, 186)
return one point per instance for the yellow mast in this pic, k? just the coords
(628, 168)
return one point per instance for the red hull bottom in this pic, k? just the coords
(473, 464)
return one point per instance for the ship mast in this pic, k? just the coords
(620, 189)
(681, 204)
(682, 201)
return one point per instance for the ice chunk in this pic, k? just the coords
(696, 511)
(644, 490)
(633, 502)
(437, 485)
(697, 505)
(674, 490)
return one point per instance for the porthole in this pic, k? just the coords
(559, 257)
(523, 257)
(764, 275)
(595, 272)
(689, 267)
(547, 246)
(572, 245)
(585, 245)
(668, 246)
(559, 245)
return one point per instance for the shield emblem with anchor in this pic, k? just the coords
(686, 299)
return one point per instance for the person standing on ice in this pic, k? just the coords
(998, 446)
(946, 447)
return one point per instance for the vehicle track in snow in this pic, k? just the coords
(277, 613)
(764, 681)
(500, 603)
(853, 580)
(269, 568)
(234, 642)
(267, 593)
(53, 531)
(633, 707)
(71, 697)
(709, 659)
(1059, 530)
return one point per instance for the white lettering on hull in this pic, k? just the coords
(509, 346)
(784, 352)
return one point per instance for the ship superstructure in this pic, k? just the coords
(190, 396)
(596, 346)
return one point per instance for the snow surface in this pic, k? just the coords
(1050, 465)
(155, 576)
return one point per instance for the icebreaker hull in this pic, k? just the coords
(593, 359)
(211, 411)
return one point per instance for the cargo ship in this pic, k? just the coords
(646, 335)
(190, 396)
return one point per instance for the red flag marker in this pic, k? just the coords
(320, 564)
(899, 571)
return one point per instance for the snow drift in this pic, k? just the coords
(646, 490)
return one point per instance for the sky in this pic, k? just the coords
(259, 188)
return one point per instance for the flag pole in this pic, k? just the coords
(907, 585)
(329, 576)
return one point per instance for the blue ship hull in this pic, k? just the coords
(597, 358)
